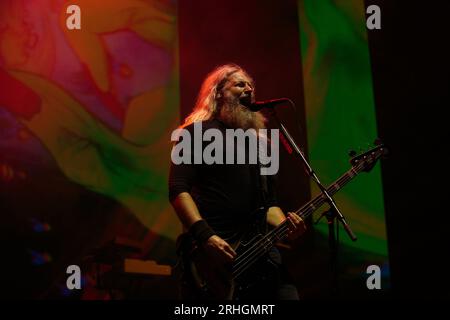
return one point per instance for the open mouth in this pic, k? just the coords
(246, 100)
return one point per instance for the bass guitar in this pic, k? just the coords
(225, 282)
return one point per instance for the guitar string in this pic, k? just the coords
(283, 230)
(242, 258)
(246, 260)
(308, 208)
(258, 254)
(315, 203)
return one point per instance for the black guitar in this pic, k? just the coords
(216, 281)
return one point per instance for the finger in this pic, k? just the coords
(294, 215)
(301, 223)
(228, 256)
(295, 218)
(291, 224)
(298, 224)
(230, 250)
(295, 221)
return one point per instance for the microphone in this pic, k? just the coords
(258, 105)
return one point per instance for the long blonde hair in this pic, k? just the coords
(206, 106)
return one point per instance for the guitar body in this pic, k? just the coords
(212, 280)
(263, 270)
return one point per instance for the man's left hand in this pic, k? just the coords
(296, 226)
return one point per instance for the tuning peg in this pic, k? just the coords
(352, 153)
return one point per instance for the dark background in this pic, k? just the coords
(410, 66)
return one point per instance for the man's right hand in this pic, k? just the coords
(219, 248)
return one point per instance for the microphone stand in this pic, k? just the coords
(332, 213)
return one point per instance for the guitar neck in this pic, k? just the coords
(363, 162)
(281, 231)
(314, 204)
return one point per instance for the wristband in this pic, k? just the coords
(201, 231)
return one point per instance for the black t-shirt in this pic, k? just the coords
(227, 195)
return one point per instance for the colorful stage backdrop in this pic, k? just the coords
(340, 116)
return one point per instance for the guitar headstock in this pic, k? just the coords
(367, 160)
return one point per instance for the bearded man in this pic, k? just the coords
(223, 206)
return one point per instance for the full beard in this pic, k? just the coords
(237, 116)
